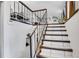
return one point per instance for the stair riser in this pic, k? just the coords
(56, 53)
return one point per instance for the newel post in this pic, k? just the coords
(29, 42)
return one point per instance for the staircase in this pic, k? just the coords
(55, 43)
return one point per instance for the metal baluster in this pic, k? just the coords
(40, 14)
(30, 47)
(18, 7)
(32, 18)
(14, 9)
(10, 10)
(35, 43)
(28, 15)
(46, 16)
(35, 16)
(38, 32)
(24, 14)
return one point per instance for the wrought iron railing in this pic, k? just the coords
(22, 13)
(35, 38)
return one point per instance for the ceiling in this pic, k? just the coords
(54, 7)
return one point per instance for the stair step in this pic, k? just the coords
(56, 44)
(56, 26)
(55, 23)
(56, 37)
(66, 41)
(61, 49)
(40, 56)
(56, 30)
(55, 53)
(56, 34)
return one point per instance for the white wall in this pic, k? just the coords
(54, 8)
(76, 5)
(72, 26)
(0, 29)
(14, 36)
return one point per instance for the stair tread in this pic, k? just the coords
(56, 37)
(56, 34)
(68, 41)
(56, 26)
(56, 44)
(55, 53)
(55, 23)
(56, 30)
(40, 56)
(54, 48)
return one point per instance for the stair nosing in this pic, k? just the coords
(56, 34)
(55, 23)
(56, 30)
(67, 41)
(61, 49)
(56, 26)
